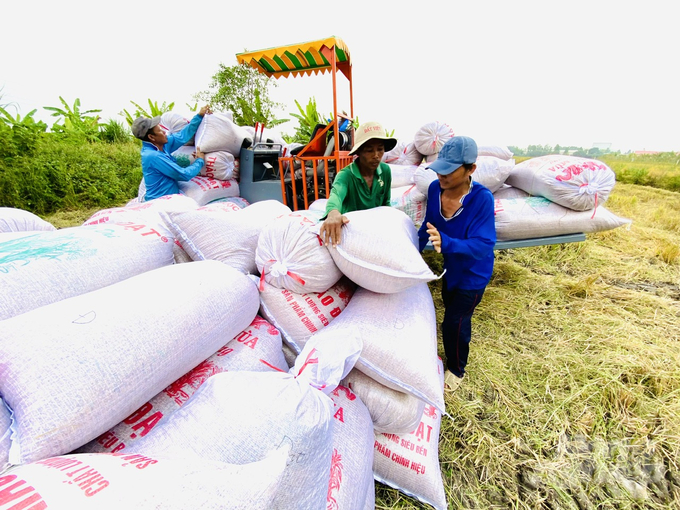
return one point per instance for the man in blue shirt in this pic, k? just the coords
(160, 169)
(459, 222)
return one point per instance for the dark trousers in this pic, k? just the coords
(459, 306)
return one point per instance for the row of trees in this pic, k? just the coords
(572, 150)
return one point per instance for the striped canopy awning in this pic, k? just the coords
(300, 59)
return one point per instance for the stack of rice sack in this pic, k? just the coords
(555, 195)
(221, 141)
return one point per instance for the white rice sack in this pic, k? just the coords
(299, 316)
(431, 137)
(221, 206)
(403, 154)
(496, 151)
(230, 237)
(239, 417)
(319, 205)
(402, 175)
(218, 165)
(239, 201)
(141, 191)
(19, 220)
(529, 217)
(506, 191)
(392, 156)
(492, 172)
(399, 333)
(351, 475)
(410, 462)
(410, 201)
(379, 251)
(291, 255)
(185, 155)
(75, 368)
(5, 433)
(217, 132)
(423, 177)
(113, 482)
(173, 122)
(41, 268)
(369, 504)
(257, 348)
(391, 410)
(580, 184)
(205, 190)
(145, 213)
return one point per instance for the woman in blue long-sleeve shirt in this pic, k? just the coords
(459, 222)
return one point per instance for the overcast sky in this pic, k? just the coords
(504, 72)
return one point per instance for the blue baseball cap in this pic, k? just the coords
(456, 152)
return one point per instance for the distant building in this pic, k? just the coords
(640, 153)
(603, 146)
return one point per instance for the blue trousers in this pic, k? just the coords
(459, 305)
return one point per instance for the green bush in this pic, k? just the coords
(65, 171)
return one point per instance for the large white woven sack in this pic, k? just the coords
(173, 122)
(217, 132)
(240, 417)
(492, 172)
(423, 176)
(218, 165)
(410, 201)
(5, 433)
(399, 334)
(45, 267)
(580, 184)
(431, 137)
(144, 214)
(351, 475)
(379, 251)
(402, 175)
(392, 156)
(403, 154)
(75, 368)
(185, 155)
(506, 191)
(120, 481)
(529, 217)
(299, 316)
(230, 237)
(257, 348)
(497, 151)
(205, 190)
(291, 255)
(391, 410)
(19, 220)
(410, 462)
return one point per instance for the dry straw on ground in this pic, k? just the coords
(572, 398)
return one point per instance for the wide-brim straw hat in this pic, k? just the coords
(372, 131)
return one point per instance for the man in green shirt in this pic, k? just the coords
(363, 184)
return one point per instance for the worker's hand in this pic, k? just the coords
(204, 110)
(331, 229)
(199, 154)
(435, 237)
(236, 173)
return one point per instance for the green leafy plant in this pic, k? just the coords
(308, 117)
(19, 134)
(114, 132)
(74, 120)
(244, 92)
(154, 110)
